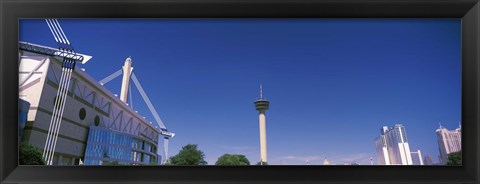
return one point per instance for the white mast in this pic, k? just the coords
(127, 71)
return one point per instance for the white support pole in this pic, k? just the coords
(62, 91)
(154, 113)
(165, 150)
(57, 115)
(110, 77)
(130, 96)
(51, 30)
(48, 141)
(147, 101)
(60, 38)
(61, 31)
(62, 107)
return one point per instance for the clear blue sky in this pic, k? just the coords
(332, 83)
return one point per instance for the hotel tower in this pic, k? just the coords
(392, 146)
(449, 141)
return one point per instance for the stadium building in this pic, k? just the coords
(97, 128)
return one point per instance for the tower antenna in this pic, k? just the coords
(261, 91)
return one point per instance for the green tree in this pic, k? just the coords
(29, 155)
(189, 155)
(228, 159)
(455, 158)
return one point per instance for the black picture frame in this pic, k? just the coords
(467, 10)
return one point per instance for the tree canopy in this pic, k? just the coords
(455, 158)
(189, 155)
(233, 159)
(29, 155)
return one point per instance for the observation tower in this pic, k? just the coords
(262, 105)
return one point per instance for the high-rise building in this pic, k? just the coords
(382, 148)
(428, 160)
(417, 158)
(449, 141)
(392, 146)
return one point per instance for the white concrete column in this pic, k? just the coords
(263, 136)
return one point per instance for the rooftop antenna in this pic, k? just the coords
(440, 125)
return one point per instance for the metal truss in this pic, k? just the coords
(49, 51)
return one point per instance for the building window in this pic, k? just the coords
(146, 158)
(82, 113)
(104, 145)
(97, 120)
(147, 147)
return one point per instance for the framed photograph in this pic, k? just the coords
(182, 91)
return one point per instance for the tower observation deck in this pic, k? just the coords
(262, 104)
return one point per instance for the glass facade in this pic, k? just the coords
(109, 147)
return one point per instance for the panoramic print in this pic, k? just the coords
(239, 92)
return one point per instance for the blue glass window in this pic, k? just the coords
(107, 146)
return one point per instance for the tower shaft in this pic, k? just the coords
(263, 136)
